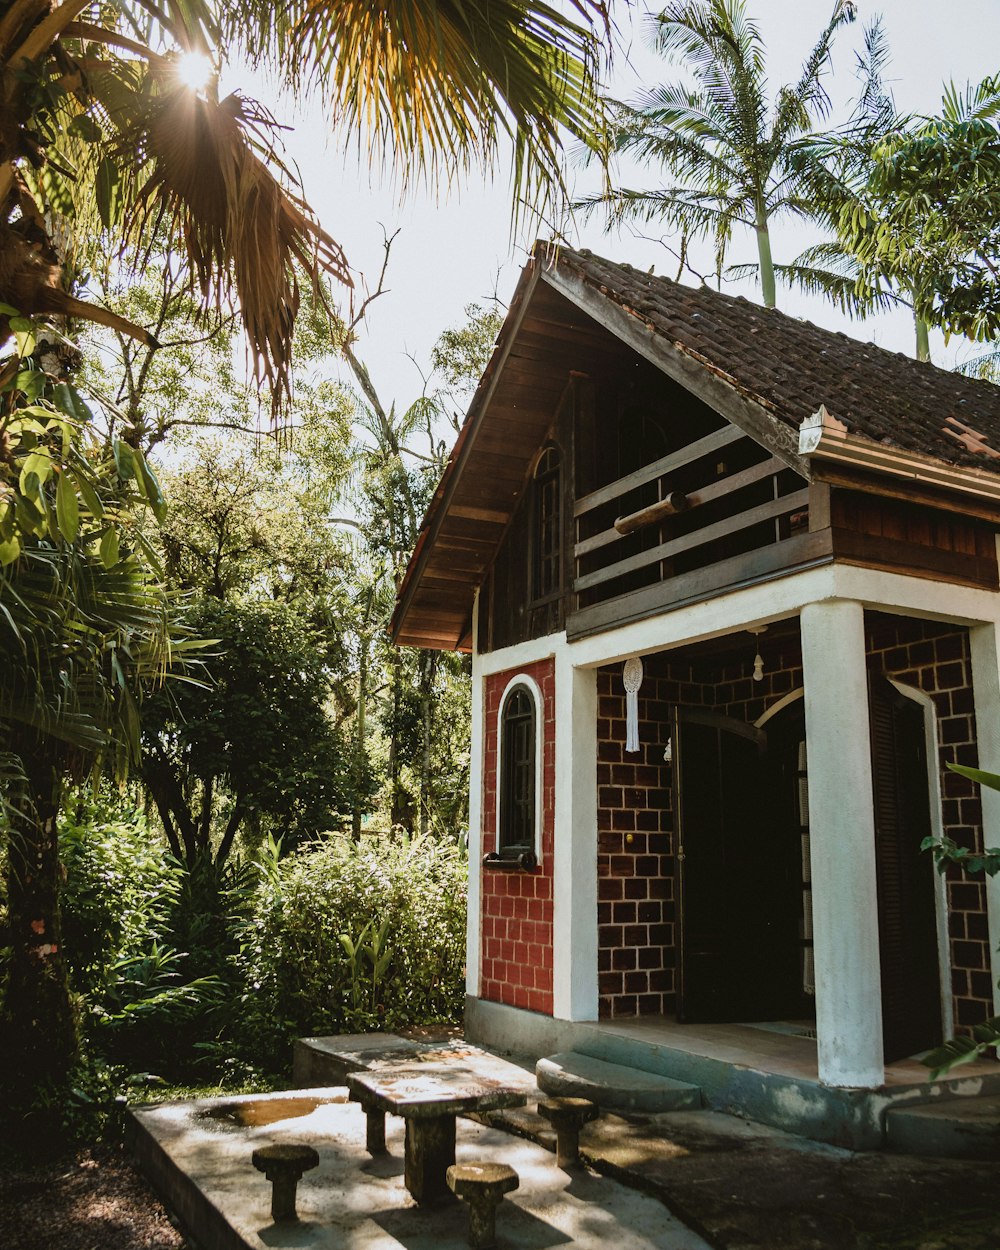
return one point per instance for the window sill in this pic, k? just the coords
(523, 861)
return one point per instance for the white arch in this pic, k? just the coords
(926, 704)
(529, 683)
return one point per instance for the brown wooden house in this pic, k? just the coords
(796, 534)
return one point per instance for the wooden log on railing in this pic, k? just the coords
(672, 503)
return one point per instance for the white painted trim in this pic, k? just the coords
(522, 679)
(521, 654)
(477, 747)
(785, 701)
(926, 704)
(984, 644)
(574, 870)
(781, 598)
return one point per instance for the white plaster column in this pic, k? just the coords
(574, 912)
(842, 840)
(984, 641)
(477, 745)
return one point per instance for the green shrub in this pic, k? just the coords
(345, 937)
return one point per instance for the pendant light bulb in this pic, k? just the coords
(758, 667)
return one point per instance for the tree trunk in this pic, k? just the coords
(766, 263)
(360, 730)
(39, 1033)
(396, 813)
(430, 660)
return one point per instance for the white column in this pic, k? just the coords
(985, 647)
(574, 919)
(842, 839)
(477, 745)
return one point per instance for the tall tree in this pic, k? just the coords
(739, 158)
(84, 625)
(101, 128)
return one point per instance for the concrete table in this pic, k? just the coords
(429, 1101)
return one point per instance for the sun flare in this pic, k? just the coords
(194, 70)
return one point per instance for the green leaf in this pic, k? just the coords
(150, 486)
(107, 191)
(91, 499)
(35, 471)
(108, 548)
(24, 335)
(67, 508)
(68, 399)
(124, 460)
(9, 550)
(990, 780)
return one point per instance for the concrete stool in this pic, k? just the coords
(482, 1186)
(283, 1166)
(568, 1116)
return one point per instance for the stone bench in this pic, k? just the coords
(283, 1166)
(482, 1186)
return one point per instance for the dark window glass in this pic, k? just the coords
(548, 530)
(517, 772)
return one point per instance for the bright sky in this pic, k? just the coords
(458, 249)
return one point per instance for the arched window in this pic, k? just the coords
(518, 789)
(547, 561)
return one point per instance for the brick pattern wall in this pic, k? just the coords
(516, 917)
(635, 898)
(636, 919)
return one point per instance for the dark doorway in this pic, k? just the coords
(907, 919)
(738, 872)
(744, 911)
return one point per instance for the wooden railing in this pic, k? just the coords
(626, 537)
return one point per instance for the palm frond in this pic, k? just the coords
(985, 366)
(435, 84)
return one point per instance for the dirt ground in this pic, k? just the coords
(88, 1201)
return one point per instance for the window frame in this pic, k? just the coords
(520, 855)
(543, 475)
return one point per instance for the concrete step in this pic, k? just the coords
(958, 1128)
(611, 1085)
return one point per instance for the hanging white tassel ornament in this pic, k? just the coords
(632, 677)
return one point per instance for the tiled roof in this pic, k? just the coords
(791, 367)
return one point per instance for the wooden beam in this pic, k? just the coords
(673, 502)
(650, 472)
(704, 494)
(789, 556)
(698, 538)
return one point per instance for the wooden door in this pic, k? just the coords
(908, 942)
(738, 884)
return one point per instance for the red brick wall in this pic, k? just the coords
(516, 917)
(635, 861)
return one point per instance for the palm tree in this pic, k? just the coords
(98, 130)
(737, 159)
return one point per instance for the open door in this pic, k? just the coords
(907, 919)
(739, 885)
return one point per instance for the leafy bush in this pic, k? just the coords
(346, 936)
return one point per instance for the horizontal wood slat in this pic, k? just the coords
(705, 494)
(650, 472)
(698, 538)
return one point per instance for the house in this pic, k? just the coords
(783, 542)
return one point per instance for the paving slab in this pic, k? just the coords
(197, 1154)
(573, 1075)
